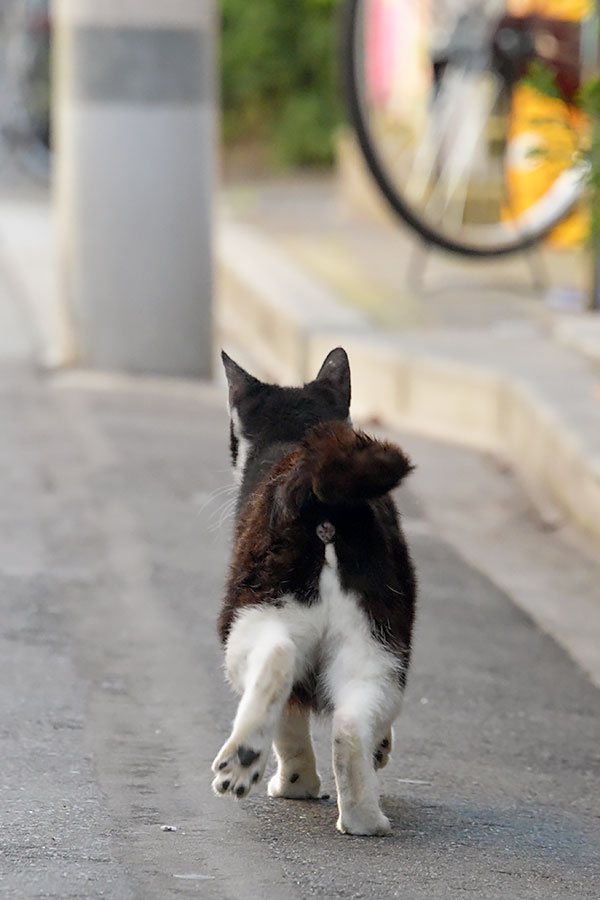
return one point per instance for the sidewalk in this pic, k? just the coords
(474, 356)
(113, 702)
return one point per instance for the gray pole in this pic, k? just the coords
(134, 128)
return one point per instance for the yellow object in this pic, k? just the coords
(544, 133)
(543, 138)
(565, 10)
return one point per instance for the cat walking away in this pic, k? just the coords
(320, 599)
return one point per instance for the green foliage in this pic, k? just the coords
(589, 101)
(278, 77)
(543, 79)
(589, 98)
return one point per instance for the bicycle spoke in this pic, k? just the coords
(460, 159)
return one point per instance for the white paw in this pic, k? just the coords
(355, 822)
(382, 751)
(239, 766)
(294, 784)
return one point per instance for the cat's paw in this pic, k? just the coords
(295, 784)
(360, 823)
(381, 754)
(238, 767)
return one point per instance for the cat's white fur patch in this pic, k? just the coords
(359, 677)
(330, 557)
(243, 447)
(335, 629)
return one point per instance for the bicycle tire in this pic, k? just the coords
(397, 203)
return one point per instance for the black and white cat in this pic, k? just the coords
(320, 599)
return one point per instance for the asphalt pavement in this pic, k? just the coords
(114, 537)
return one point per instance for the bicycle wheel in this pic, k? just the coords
(436, 98)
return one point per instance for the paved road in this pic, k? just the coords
(112, 702)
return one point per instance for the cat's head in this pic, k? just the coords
(267, 417)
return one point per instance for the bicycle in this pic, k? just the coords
(432, 90)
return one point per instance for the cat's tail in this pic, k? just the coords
(349, 467)
(340, 467)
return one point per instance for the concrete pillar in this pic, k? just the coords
(135, 135)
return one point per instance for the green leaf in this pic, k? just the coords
(542, 78)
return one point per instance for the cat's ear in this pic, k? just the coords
(336, 370)
(237, 378)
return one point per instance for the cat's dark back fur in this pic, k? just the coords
(304, 466)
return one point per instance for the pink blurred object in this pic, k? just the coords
(382, 40)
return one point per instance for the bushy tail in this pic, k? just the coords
(340, 467)
(348, 466)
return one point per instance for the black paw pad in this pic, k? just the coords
(225, 786)
(294, 777)
(385, 743)
(379, 756)
(223, 765)
(240, 791)
(246, 756)
(255, 777)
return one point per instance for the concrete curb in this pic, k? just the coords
(281, 322)
(268, 303)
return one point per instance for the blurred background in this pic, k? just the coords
(433, 163)
(25, 82)
(464, 120)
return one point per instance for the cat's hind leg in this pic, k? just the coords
(260, 662)
(362, 715)
(296, 776)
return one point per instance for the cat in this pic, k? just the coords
(320, 600)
